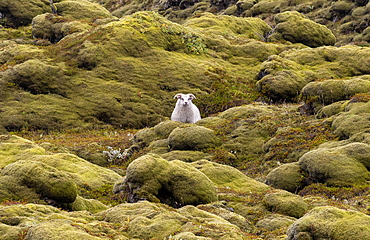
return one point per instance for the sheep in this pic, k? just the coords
(185, 111)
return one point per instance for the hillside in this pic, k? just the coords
(88, 150)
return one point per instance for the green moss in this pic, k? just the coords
(91, 205)
(22, 12)
(286, 203)
(185, 156)
(82, 10)
(229, 26)
(287, 176)
(293, 27)
(224, 176)
(192, 138)
(46, 180)
(330, 222)
(334, 167)
(175, 183)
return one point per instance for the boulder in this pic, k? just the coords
(163, 129)
(37, 77)
(46, 180)
(175, 183)
(333, 90)
(283, 76)
(337, 166)
(90, 205)
(286, 203)
(288, 176)
(147, 220)
(355, 119)
(53, 27)
(58, 229)
(224, 176)
(274, 221)
(225, 25)
(330, 223)
(21, 13)
(193, 138)
(82, 10)
(292, 26)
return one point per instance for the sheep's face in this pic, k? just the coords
(184, 99)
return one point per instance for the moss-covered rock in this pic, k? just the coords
(37, 77)
(53, 27)
(288, 176)
(330, 223)
(175, 183)
(275, 221)
(20, 13)
(224, 176)
(58, 229)
(81, 10)
(90, 205)
(192, 138)
(229, 26)
(12, 146)
(146, 220)
(46, 180)
(336, 166)
(295, 28)
(330, 91)
(163, 129)
(12, 189)
(284, 76)
(286, 203)
(352, 121)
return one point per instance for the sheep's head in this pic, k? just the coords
(184, 99)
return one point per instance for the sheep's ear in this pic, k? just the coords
(192, 96)
(179, 95)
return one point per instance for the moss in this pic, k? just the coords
(224, 176)
(334, 167)
(192, 138)
(293, 27)
(330, 222)
(46, 180)
(229, 26)
(330, 91)
(174, 183)
(163, 129)
(185, 156)
(11, 146)
(353, 121)
(286, 203)
(22, 12)
(287, 176)
(81, 10)
(59, 228)
(275, 221)
(90, 205)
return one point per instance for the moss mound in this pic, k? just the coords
(286, 203)
(192, 138)
(47, 181)
(175, 183)
(22, 12)
(229, 26)
(330, 222)
(295, 28)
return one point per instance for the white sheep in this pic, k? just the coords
(185, 111)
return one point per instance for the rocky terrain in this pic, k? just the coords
(87, 149)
